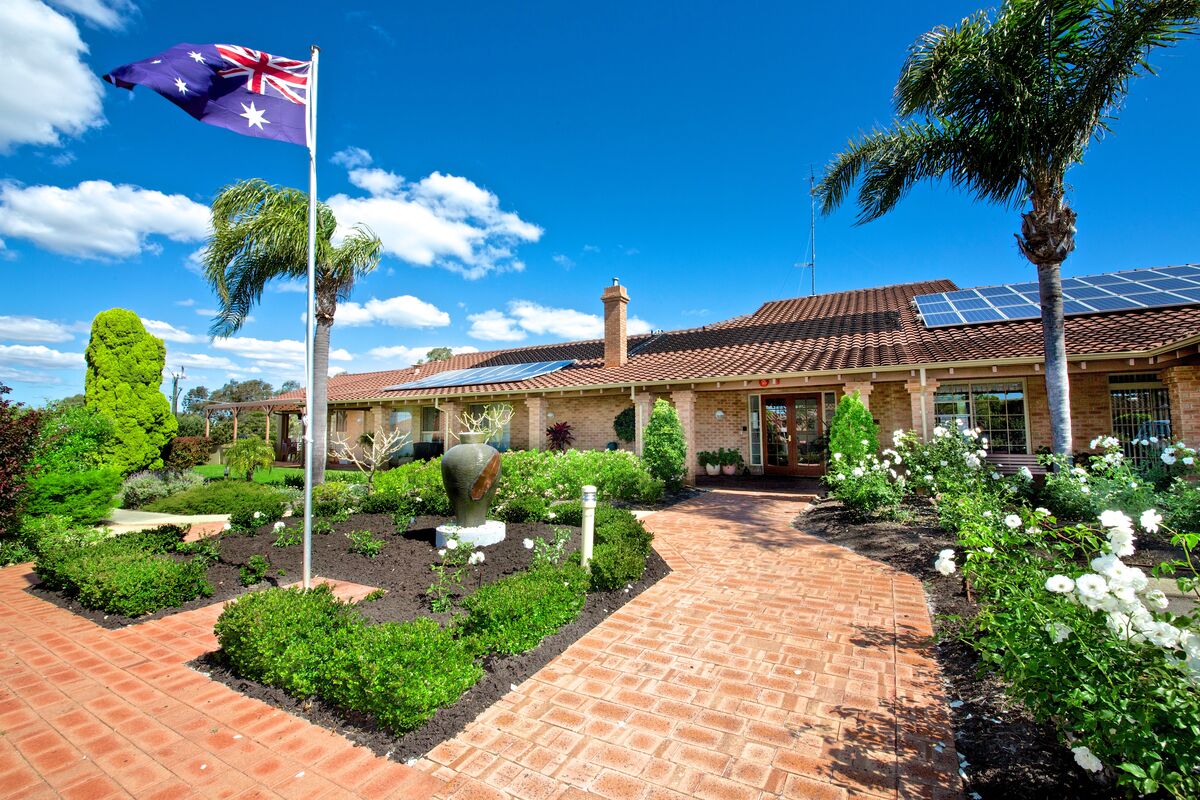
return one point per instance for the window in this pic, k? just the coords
(430, 429)
(1141, 408)
(502, 440)
(401, 420)
(339, 422)
(755, 432)
(998, 408)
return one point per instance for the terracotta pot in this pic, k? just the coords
(712, 469)
(470, 471)
(729, 469)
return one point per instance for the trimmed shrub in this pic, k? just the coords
(616, 564)
(124, 370)
(853, 431)
(529, 508)
(185, 452)
(331, 499)
(513, 614)
(250, 518)
(134, 584)
(281, 637)
(219, 497)
(415, 488)
(624, 425)
(665, 449)
(254, 570)
(84, 497)
(400, 672)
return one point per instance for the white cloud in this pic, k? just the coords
(105, 14)
(562, 260)
(403, 356)
(9, 375)
(336, 371)
(288, 287)
(168, 332)
(97, 219)
(207, 312)
(376, 181)
(37, 356)
(47, 91)
(277, 351)
(403, 311)
(198, 361)
(351, 158)
(440, 220)
(35, 329)
(526, 317)
(493, 326)
(186, 303)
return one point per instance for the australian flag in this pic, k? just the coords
(247, 91)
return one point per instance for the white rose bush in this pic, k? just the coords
(1080, 633)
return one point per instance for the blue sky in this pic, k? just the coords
(513, 160)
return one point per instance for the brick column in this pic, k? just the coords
(537, 422)
(685, 407)
(863, 388)
(450, 413)
(1183, 388)
(643, 404)
(921, 398)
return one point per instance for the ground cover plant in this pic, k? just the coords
(1063, 603)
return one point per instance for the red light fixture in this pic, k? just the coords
(763, 382)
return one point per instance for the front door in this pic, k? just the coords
(793, 435)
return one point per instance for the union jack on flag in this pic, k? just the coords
(244, 90)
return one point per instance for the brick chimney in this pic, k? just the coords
(616, 346)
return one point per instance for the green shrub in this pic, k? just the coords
(400, 672)
(415, 488)
(254, 570)
(185, 452)
(529, 508)
(615, 565)
(290, 537)
(124, 371)
(866, 488)
(624, 424)
(218, 497)
(513, 614)
(134, 584)
(142, 488)
(250, 518)
(73, 438)
(1181, 506)
(335, 498)
(376, 503)
(665, 449)
(853, 432)
(282, 637)
(364, 543)
(247, 455)
(84, 497)
(311, 644)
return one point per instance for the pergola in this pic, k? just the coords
(284, 408)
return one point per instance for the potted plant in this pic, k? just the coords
(710, 461)
(730, 460)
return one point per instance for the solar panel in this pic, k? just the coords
(502, 373)
(1087, 294)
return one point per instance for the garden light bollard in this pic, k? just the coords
(589, 523)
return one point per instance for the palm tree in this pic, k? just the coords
(260, 234)
(1002, 105)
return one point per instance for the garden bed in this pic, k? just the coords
(1008, 755)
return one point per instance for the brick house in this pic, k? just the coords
(766, 383)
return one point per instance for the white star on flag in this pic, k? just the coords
(254, 117)
(195, 56)
(181, 86)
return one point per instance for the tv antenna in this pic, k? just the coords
(811, 263)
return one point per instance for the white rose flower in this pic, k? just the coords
(1115, 519)
(1157, 600)
(452, 544)
(1025, 474)
(1042, 512)
(442, 553)
(1150, 520)
(552, 515)
(857, 472)
(947, 553)
(1060, 584)
(1167, 458)
(945, 566)
(1189, 460)
(1092, 587)
(226, 526)
(278, 525)
(1086, 759)
(837, 456)
(1058, 631)
(528, 544)
(258, 515)
(1013, 521)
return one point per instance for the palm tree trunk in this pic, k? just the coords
(1058, 389)
(320, 390)
(1047, 237)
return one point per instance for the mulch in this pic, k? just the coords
(402, 571)
(1005, 753)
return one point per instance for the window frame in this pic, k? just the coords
(972, 420)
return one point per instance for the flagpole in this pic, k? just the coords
(310, 129)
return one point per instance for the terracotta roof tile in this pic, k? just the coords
(861, 329)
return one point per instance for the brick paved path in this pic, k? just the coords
(768, 664)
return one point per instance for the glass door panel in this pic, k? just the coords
(810, 447)
(776, 432)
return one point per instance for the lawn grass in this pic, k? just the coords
(273, 475)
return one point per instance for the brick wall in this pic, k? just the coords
(891, 407)
(591, 419)
(1183, 385)
(713, 433)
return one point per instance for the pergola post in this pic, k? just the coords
(207, 420)
(235, 416)
(267, 432)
